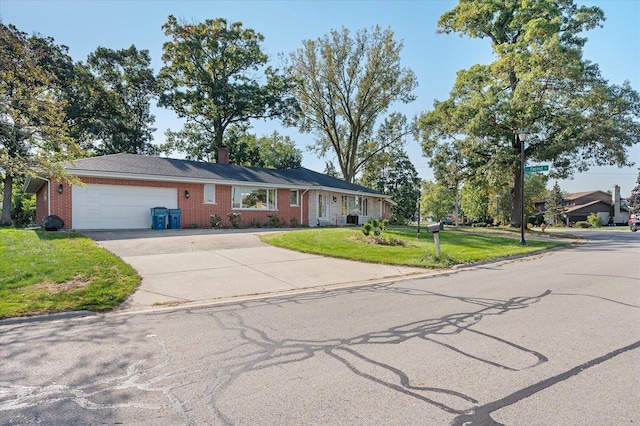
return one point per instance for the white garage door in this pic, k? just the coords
(118, 207)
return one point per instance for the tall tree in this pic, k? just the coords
(540, 83)
(346, 85)
(395, 175)
(33, 135)
(436, 200)
(475, 198)
(125, 86)
(209, 78)
(634, 198)
(555, 209)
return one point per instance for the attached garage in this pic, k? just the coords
(118, 206)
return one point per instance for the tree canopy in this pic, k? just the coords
(436, 200)
(124, 87)
(210, 78)
(33, 134)
(539, 83)
(345, 85)
(395, 175)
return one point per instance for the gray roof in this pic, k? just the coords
(147, 166)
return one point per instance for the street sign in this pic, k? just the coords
(533, 169)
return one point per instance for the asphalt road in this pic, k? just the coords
(548, 340)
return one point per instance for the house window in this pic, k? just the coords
(254, 198)
(295, 201)
(322, 207)
(209, 194)
(351, 205)
(365, 207)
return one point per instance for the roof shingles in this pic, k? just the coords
(156, 166)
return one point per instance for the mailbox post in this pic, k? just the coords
(435, 230)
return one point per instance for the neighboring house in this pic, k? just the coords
(580, 205)
(119, 190)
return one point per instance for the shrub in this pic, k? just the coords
(375, 226)
(235, 219)
(255, 223)
(594, 220)
(216, 221)
(384, 224)
(583, 224)
(274, 221)
(293, 222)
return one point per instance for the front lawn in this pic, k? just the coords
(45, 272)
(457, 246)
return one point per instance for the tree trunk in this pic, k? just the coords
(5, 219)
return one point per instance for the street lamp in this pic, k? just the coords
(522, 137)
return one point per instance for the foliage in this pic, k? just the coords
(123, 88)
(436, 200)
(539, 82)
(209, 78)
(634, 199)
(43, 272)
(594, 220)
(345, 85)
(395, 175)
(23, 208)
(555, 209)
(457, 247)
(216, 221)
(33, 134)
(235, 219)
(293, 222)
(275, 221)
(475, 200)
(376, 227)
(274, 151)
(583, 224)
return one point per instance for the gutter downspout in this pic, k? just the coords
(302, 204)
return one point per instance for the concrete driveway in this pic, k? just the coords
(204, 266)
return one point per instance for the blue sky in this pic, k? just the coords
(83, 25)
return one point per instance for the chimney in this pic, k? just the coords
(223, 155)
(617, 218)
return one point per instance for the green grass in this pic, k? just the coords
(457, 246)
(45, 272)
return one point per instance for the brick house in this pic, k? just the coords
(118, 192)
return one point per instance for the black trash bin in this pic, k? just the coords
(159, 218)
(174, 218)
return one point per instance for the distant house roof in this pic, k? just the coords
(579, 207)
(588, 195)
(135, 166)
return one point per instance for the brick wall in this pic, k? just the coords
(194, 210)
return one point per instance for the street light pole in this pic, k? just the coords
(522, 137)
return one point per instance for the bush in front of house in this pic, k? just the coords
(275, 221)
(216, 221)
(293, 222)
(594, 220)
(235, 219)
(582, 224)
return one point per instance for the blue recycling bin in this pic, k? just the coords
(174, 218)
(159, 218)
